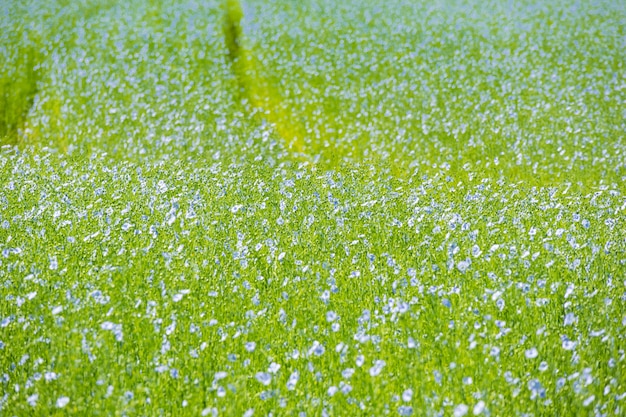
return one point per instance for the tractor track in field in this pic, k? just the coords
(17, 97)
(254, 88)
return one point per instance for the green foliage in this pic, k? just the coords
(341, 208)
(233, 34)
(18, 87)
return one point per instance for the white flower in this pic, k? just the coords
(479, 408)
(317, 349)
(589, 400)
(360, 360)
(293, 380)
(53, 263)
(274, 367)
(50, 376)
(264, 378)
(570, 318)
(107, 325)
(569, 345)
(405, 411)
(32, 400)
(532, 353)
(377, 368)
(331, 316)
(209, 412)
(62, 402)
(407, 395)
(460, 410)
(345, 388)
(463, 266)
(161, 187)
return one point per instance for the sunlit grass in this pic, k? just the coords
(18, 86)
(255, 89)
(312, 208)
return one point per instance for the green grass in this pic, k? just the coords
(401, 208)
(18, 84)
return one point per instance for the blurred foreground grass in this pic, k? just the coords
(443, 234)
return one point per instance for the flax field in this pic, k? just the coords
(313, 208)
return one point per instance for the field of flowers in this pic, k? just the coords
(273, 207)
